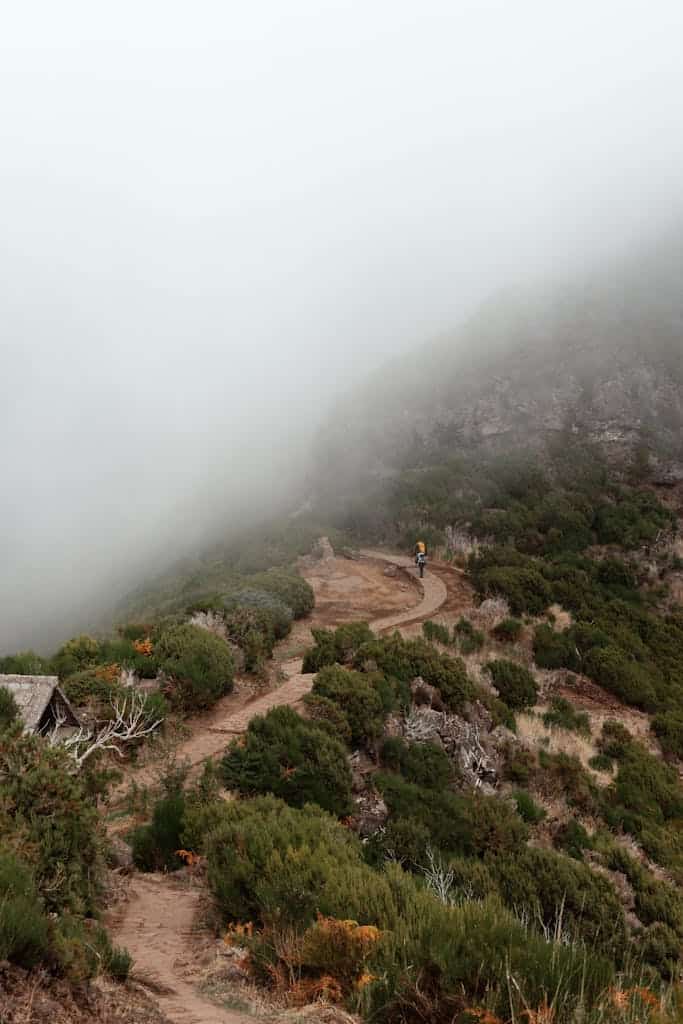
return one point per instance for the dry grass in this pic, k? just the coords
(562, 619)
(533, 733)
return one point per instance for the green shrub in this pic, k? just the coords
(468, 825)
(515, 684)
(555, 888)
(554, 650)
(25, 663)
(155, 845)
(293, 759)
(278, 614)
(119, 964)
(573, 839)
(48, 816)
(336, 646)
(199, 664)
(406, 660)
(91, 686)
(660, 947)
(328, 715)
(436, 631)
(467, 637)
(76, 655)
(668, 728)
(527, 808)
(563, 776)
(268, 861)
(508, 631)
(294, 591)
(24, 935)
(562, 715)
(357, 694)
(9, 709)
(425, 764)
(629, 681)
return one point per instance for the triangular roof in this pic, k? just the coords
(33, 694)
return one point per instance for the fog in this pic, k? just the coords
(216, 217)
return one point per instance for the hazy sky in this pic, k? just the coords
(215, 216)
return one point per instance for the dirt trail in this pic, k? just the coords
(213, 738)
(157, 924)
(158, 928)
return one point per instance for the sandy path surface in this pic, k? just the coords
(158, 928)
(157, 924)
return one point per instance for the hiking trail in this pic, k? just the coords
(158, 923)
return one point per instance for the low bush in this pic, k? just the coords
(270, 862)
(508, 631)
(293, 759)
(573, 839)
(668, 728)
(358, 696)
(199, 664)
(294, 591)
(425, 764)
(562, 715)
(461, 824)
(436, 631)
(26, 663)
(49, 817)
(405, 660)
(75, 655)
(562, 776)
(527, 808)
(467, 637)
(155, 845)
(566, 895)
(119, 964)
(24, 932)
(9, 709)
(337, 646)
(515, 684)
(328, 715)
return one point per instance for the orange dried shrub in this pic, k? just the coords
(478, 1015)
(144, 646)
(189, 858)
(110, 673)
(543, 1015)
(341, 948)
(312, 990)
(238, 932)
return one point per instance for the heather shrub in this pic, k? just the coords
(563, 776)
(328, 715)
(527, 808)
(154, 845)
(515, 684)
(405, 660)
(48, 816)
(425, 764)
(336, 646)
(294, 591)
(668, 728)
(293, 759)
(562, 715)
(277, 613)
(25, 663)
(199, 664)
(24, 933)
(436, 631)
(573, 839)
(76, 655)
(271, 862)
(92, 686)
(358, 695)
(9, 709)
(508, 631)
(558, 890)
(467, 637)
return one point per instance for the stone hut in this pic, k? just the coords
(41, 703)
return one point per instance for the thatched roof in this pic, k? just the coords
(34, 695)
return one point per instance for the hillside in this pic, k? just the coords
(599, 358)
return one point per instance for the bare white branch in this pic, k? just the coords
(131, 721)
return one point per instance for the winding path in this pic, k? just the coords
(157, 924)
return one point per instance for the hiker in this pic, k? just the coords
(421, 557)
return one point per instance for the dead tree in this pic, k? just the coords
(131, 721)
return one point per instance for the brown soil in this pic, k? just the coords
(158, 923)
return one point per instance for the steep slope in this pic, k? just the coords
(601, 357)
